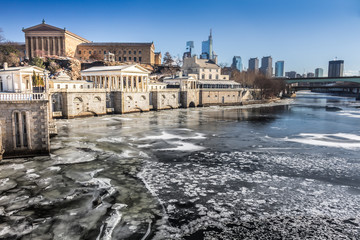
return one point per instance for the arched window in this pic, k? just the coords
(98, 99)
(143, 97)
(129, 98)
(78, 100)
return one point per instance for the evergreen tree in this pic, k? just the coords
(36, 61)
(34, 79)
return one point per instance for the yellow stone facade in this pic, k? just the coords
(142, 53)
(46, 40)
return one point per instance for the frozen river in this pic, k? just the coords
(288, 170)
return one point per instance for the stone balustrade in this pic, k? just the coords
(22, 96)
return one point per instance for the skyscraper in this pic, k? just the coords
(310, 75)
(237, 63)
(189, 48)
(254, 65)
(266, 66)
(291, 74)
(336, 68)
(319, 72)
(279, 69)
(207, 48)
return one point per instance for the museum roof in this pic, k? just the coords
(117, 43)
(223, 82)
(20, 68)
(113, 68)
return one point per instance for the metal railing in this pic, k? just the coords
(22, 96)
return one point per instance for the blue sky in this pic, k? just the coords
(306, 34)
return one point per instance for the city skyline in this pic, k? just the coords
(304, 38)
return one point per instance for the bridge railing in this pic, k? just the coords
(13, 97)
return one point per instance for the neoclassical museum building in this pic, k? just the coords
(46, 40)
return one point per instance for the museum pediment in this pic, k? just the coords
(43, 28)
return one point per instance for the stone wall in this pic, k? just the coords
(34, 138)
(130, 102)
(84, 103)
(71, 44)
(189, 98)
(2, 123)
(210, 97)
(165, 99)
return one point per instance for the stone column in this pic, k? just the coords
(31, 47)
(42, 47)
(53, 46)
(121, 83)
(127, 83)
(132, 83)
(27, 42)
(142, 84)
(48, 45)
(59, 46)
(36, 46)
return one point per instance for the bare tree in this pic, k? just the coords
(168, 59)
(96, 56)
(269, 87)
(2, 38)
(223, 65)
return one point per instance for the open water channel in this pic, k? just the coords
(286, 170)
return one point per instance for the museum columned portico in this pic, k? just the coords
(45, 46)
(125, 78)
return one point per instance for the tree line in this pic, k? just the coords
(269, 87)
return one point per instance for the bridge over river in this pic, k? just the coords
(341, 85)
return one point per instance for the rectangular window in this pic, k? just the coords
(139, 52)
(66, 86)
(139, 59)
(99, 51)
(79, 52)
(129, 52)
(25, 141)
(134, 52)
(134, 59)
(17, 130)
(104, 52)
(74, 86)
(81, 86)
(129, 58)
(119, 52)
(89, 52)
(124, 59)
(119, 59)
(58, 86)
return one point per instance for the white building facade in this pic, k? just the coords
(19, 79)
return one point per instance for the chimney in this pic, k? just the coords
(180, 74)
(5, 65)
